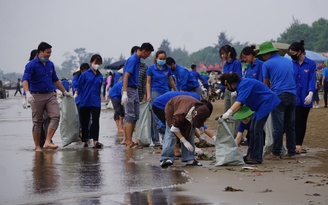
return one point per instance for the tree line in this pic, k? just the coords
(314, 35)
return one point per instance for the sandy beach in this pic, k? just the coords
(116, 175)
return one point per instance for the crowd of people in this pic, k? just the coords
(272, 87)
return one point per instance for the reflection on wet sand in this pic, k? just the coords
(45, 177)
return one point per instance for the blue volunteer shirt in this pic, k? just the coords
(161, 101)
(116, 91)
(184, 79)
(159, 78)
(254, 70)
(74, 87)
(40, 77)
(257, 96)
(305, 79)
(242, 127)
(325, 73)
(195, 74)
(88, 87)
(131, 66)
(233, 66)
(279, 70)
(65, 83)
(205, 79)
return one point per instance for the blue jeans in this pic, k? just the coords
(154, 119)
(283, 119)
(169, 141)
(255, 146)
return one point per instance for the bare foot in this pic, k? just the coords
(50, 146)
(38, 149)
(120, 130)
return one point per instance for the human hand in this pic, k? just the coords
(67, 94)
(187, 144)
(218, 91)
(124, 98)
(308, 98)
(214, 138)
(226, 115)
(29, 97)
(75, 95)
(24, 104)
(233, 94)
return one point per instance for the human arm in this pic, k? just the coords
(266, 81)
(238, 138)
(125, 87)
(183, 140)
(148, 87)
(60, 86)
(233, 109)
(171, 81)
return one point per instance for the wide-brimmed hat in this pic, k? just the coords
(266, 47)
(202, 114)
(326, 63)
(243, 113)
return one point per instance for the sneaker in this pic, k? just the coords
(166, 163)
(194, 163)
(272, 157)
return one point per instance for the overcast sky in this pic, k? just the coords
(111, 28)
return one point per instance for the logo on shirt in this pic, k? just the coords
(306, 71)
(165, 73)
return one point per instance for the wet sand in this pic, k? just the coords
(73, 175)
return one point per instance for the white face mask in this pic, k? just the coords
(95, 66)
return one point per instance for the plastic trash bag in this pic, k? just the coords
(144, 125)
(227, 151)
(269, 139)
(110, 105)
(69, 121)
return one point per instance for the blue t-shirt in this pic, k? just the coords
(255, 70)
(305, 79)
(41, 78)
(116, 91)
(325, 73)
(65, 83)
(233, 66)
(279, 70)
(184, 79)
(204, 79)
(196, 74)
(131, 66)
(161, 101)
(242, 127)
(159, 78)
(88, 87)
(257, 96)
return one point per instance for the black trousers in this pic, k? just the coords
(85, 114)
(325, 92)
(301, 116)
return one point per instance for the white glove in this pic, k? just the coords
(233, 94)
(198, 151)
(218, 91)
(67, 94)
(75, 95)
(308, 98)
(24, 104)
(226, 115)
(124, 98)
(29, 97)
(200, 130)
(187, 144)
(214, 138)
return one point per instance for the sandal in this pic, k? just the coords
(98, 145)
(300, 151)
(194, 163)
(134, 146)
